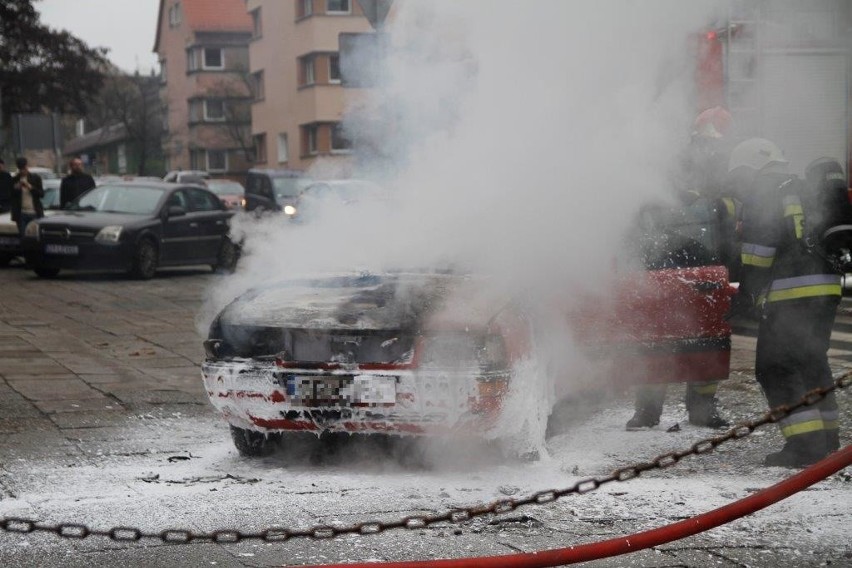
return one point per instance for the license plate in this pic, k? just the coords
(324, 391)
(341, 391)
(374, 390)
(10, 241)
(62, 249)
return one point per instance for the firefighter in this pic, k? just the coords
(702, 174)
(796, 292)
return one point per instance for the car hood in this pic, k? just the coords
(92, 219)
(368, 302)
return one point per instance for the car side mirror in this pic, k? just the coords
(176, 211)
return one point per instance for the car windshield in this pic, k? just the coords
(347, 192)
(225, 187)
(678, 237)
(51, 197)
(135, 200)
(289, 187)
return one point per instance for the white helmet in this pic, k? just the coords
(755, 154)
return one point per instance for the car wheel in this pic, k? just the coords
(5, 259)
(252, 444)
(226, 260)
(145, 260)
(43, 272)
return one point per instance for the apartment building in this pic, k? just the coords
(203, 47)
(298, 100)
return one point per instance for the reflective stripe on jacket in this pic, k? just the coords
(777, 265)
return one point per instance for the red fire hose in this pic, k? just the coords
(639, 541)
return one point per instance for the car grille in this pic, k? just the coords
(318, 346)
(54, 234)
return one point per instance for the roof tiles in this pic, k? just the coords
(217, 15)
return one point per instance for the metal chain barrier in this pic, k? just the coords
(321, 532)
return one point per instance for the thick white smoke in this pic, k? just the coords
(516, 139)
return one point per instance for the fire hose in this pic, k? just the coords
(642, 540)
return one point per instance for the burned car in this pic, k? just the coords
(436, 354)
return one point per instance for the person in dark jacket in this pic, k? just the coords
(75, 183)
(27, 191)
(701, 177)
(5, 188)
(797, 292)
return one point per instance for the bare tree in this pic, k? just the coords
(132, 101)
(237, 92)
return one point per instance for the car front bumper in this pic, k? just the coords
(88, 255)
(258, 395)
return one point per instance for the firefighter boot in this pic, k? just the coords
(649, 407)
(800, 450)
(830, 420)
(701, 405)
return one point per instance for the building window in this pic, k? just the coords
(260, 148)
(217, 160)
(339, 141)
(163, 72)
(256, 23)
(175, 15)
(283, 151)
(334, 68)
(258, 85)
(304, 8)
(338, 7)
(308, 77)
(214, 58)
(214, 110)
(310, 135)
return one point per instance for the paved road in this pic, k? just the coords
(103, 421)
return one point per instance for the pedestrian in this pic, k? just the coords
(27, 192)
(796, 291)
(75, 184)
(701, 175)
(5, 188)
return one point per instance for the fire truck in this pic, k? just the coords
(782, 69)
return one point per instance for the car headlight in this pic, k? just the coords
(289, 210)
(109, 234)
(32, 230)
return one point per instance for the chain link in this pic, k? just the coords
(324, 532)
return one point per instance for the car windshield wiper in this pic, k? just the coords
(85, 208)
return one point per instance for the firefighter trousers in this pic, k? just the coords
(792, 359)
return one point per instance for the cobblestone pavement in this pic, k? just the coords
(103, 421)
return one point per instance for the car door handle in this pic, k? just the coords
(220, 222)
(193, 225)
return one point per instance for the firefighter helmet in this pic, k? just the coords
(755, 154)
(712, 123)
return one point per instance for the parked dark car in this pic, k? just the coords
(274, 190)
(136, 227)
(231, 193)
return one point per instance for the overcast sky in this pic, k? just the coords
(126, 27)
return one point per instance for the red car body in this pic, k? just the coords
(436, 354)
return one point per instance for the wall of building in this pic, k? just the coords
(288, 105)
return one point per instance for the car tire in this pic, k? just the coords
(252, 444)
(44, 272)
(5, 259)
(226, 260)
(145, 260)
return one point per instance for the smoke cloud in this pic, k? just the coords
(515, 139)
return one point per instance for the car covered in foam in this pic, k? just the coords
(415, 353)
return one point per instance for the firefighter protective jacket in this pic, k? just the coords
(779, 262)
